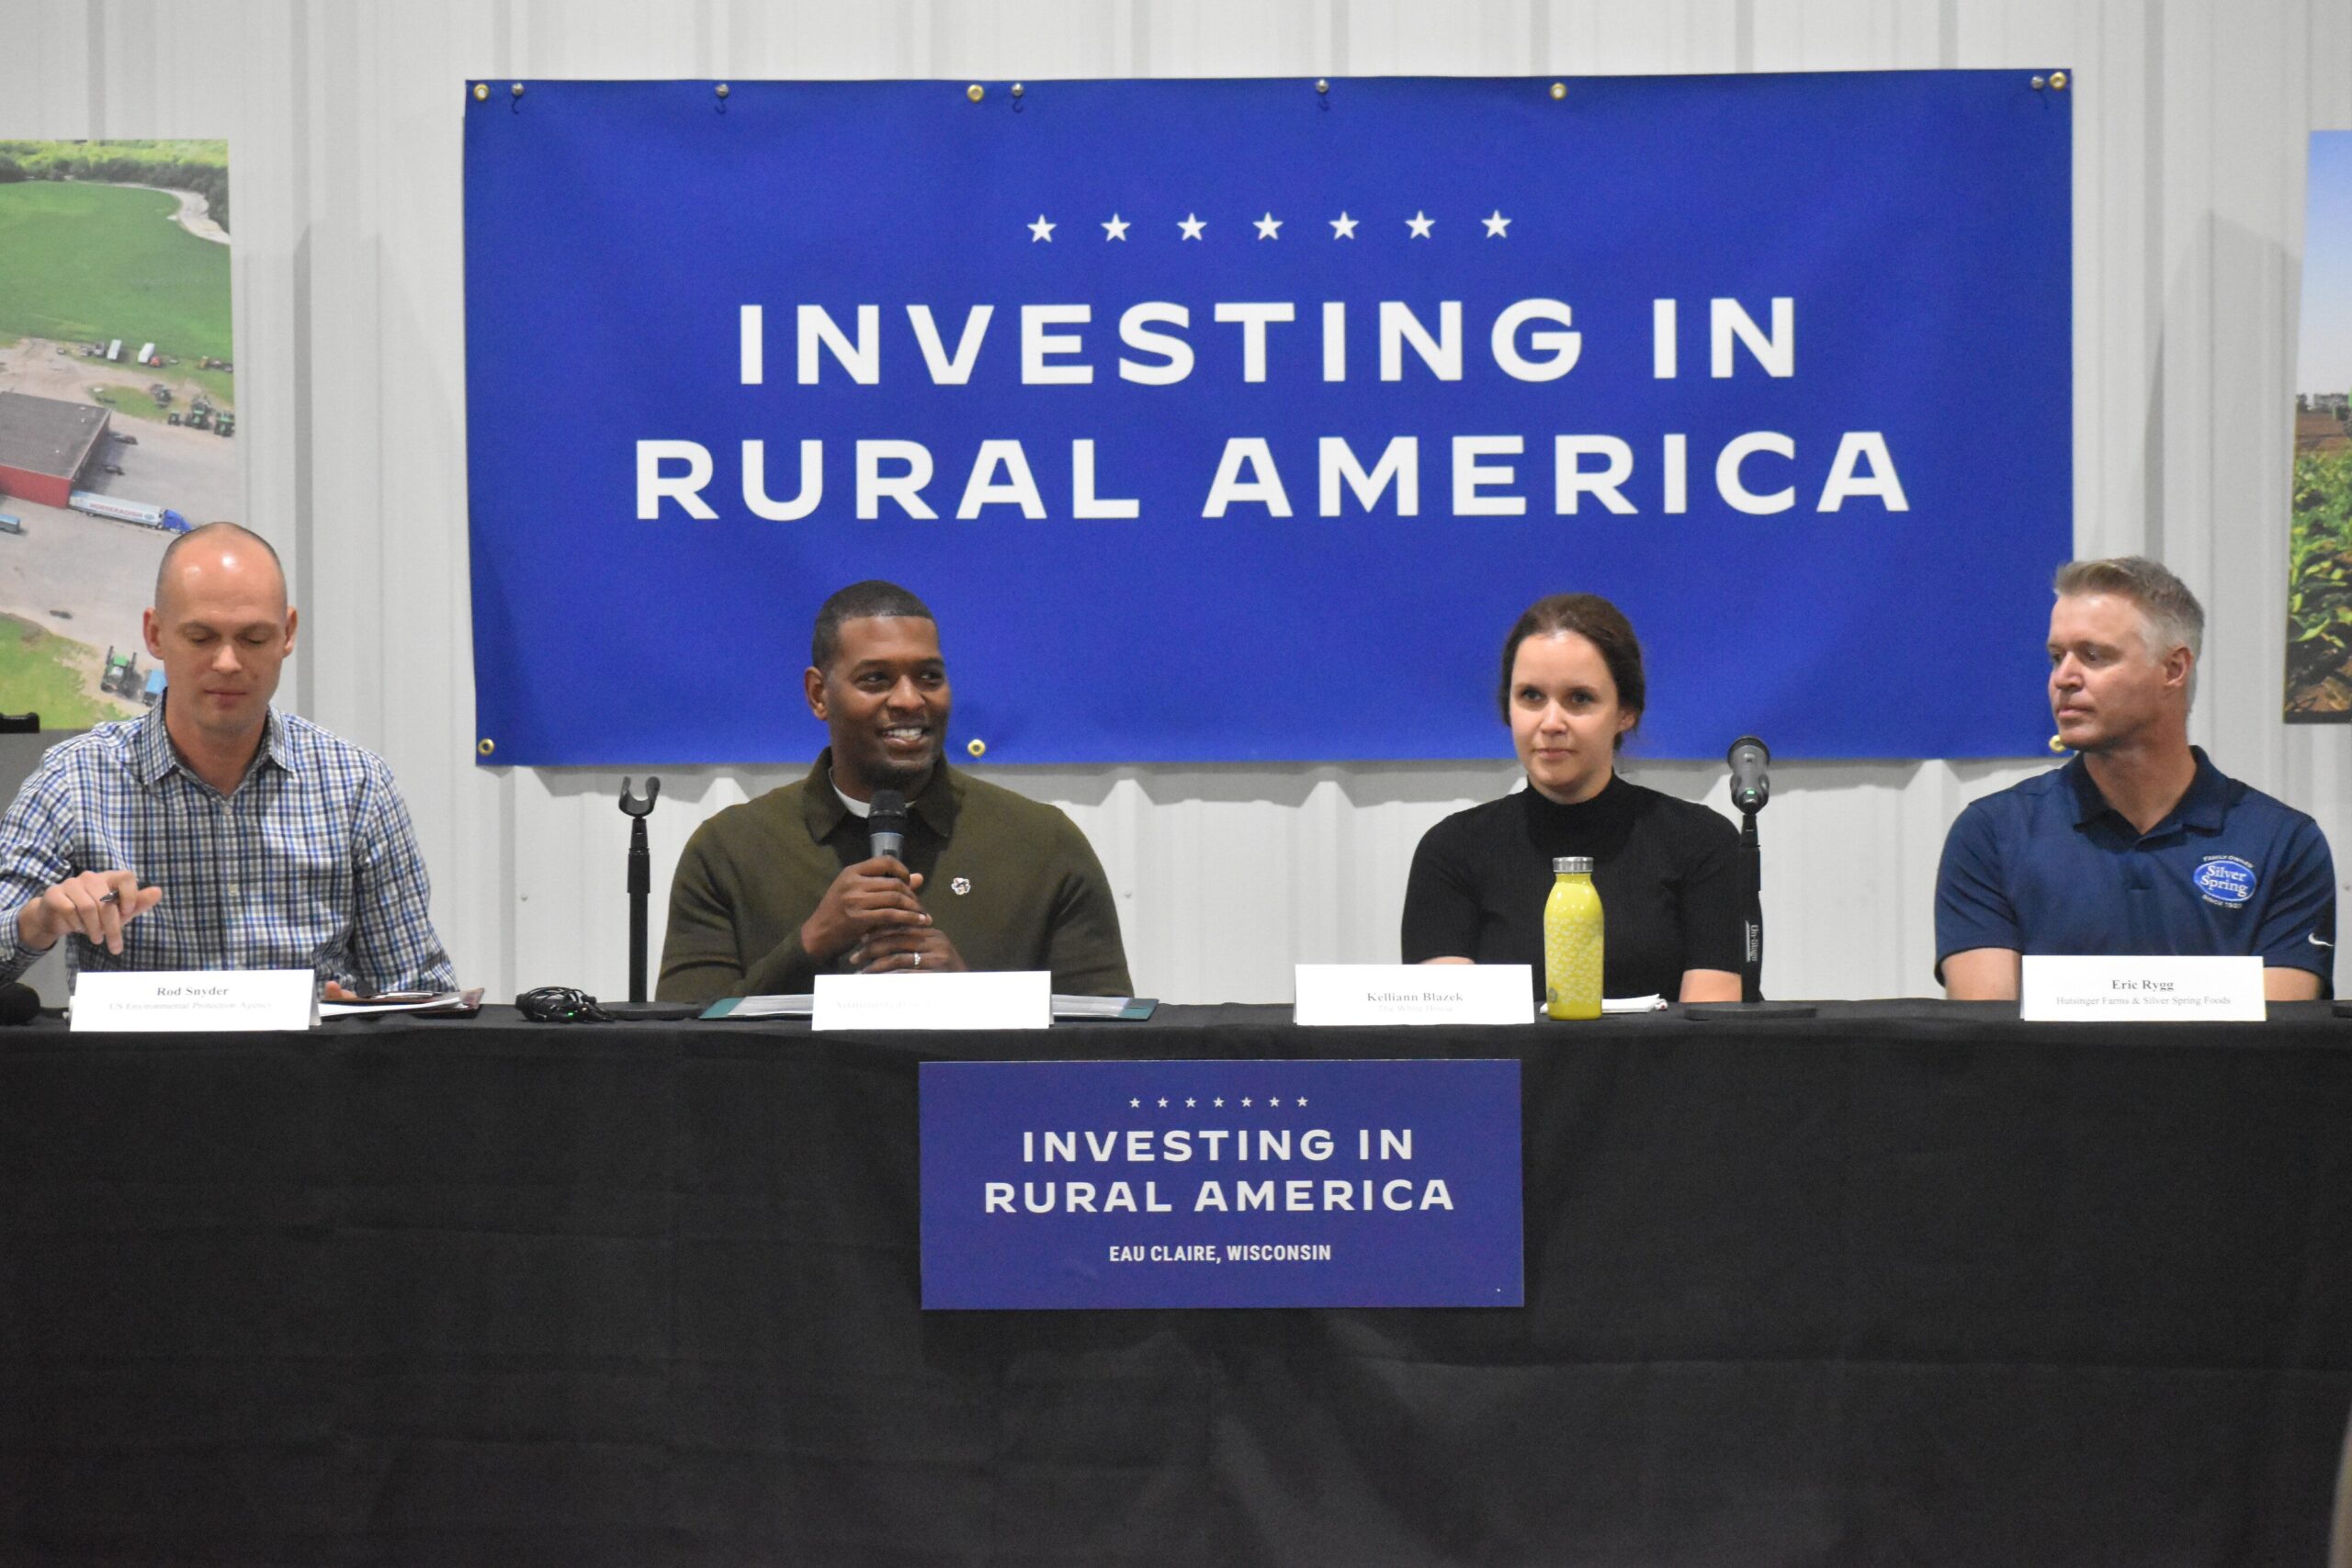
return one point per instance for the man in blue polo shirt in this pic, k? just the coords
(2139, 845)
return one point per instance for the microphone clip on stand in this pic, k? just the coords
(641, 878)
(562, 1004)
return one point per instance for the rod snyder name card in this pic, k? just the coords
(1221, 1184)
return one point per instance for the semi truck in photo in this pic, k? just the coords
(146, 516)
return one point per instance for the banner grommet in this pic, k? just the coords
(976, 92)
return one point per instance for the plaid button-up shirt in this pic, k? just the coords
(311, 863)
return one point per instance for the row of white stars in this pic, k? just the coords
(1270, 227)
(1220, 1100)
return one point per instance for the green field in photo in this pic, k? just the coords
(38, 673)
(90, 264)
(2319, 588)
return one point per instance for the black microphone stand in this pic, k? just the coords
(1751, 856)
(1750, 801)
(641, 878)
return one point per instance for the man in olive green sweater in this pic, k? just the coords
(772, 892)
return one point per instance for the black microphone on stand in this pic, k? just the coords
(885, 826)
(1751, 786)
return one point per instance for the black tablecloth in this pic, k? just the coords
(1903, 1283)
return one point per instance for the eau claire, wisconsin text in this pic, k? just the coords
(1757, 472)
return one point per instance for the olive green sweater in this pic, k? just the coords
(1011, 882)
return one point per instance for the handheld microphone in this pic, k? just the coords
(1751, 786)
(885, 825)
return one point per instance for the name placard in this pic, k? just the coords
(1022, 999)
(2153, 990)
(1221, 1184)
(1414, 993)
(116, 1002)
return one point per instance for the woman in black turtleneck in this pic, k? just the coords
(1668, 872)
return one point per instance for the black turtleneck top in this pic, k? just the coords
(1671, 890)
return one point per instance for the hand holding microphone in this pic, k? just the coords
(870, 916)
(893, 946)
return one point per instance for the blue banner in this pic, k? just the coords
(1220, 1184)
(1237, 420)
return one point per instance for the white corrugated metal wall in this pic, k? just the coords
(344, 123)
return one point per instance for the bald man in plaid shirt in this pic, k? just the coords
(216, 832)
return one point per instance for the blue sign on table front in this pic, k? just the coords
(1221, 1184)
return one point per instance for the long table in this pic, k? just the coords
(1904, 1282)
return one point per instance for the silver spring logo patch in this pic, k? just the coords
(2225, 879)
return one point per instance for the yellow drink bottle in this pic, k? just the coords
(1572, 940)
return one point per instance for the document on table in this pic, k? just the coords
(466, 1001)
(801, 1004)
(1652, 1003)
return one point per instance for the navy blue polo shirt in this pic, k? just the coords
(2047, 867)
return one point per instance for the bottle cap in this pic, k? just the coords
(1572, 865)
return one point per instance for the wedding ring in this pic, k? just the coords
(918, 962)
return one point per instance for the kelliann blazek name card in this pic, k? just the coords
(1414, 993)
